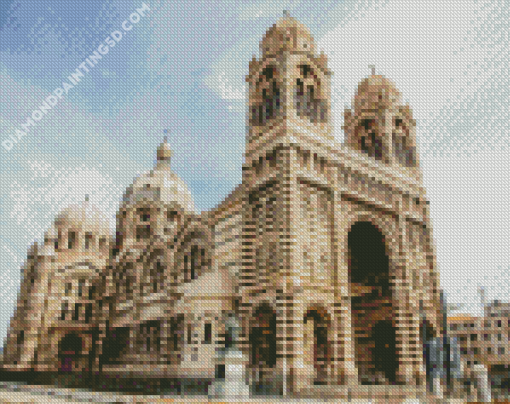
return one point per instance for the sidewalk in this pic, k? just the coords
(11, 392)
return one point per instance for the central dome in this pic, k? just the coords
(161, 185)
(288, 34)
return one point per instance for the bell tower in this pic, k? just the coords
(380, 126)
(289, 86)
(289, 123)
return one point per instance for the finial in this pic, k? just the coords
(164, 152)
(373, 69)
(86, 197)
(286, 14)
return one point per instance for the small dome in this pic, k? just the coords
(85, 217)
(376, 92)
(160, 184)
(288, 34)
(51, 234)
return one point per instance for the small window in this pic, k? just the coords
(189, 334)
(71, 241)
(102, 242)
(144, 214)
(92, 292)
(81, 285)
(64, 309)
(171, 215)
(207, 333)
(88, 312)
(473, 337)
(58, 243)
(88, 241)
(500, 337)
(501, 351)
(143, 232)
(76, 313)
(68, 288)
(499, 323)
(20, 339)
(220, 371)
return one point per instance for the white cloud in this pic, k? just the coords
(226, 90)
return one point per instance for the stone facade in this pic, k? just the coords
(315, 275)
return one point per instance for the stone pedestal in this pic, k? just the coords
(234, 384)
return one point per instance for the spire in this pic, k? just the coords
(373, 69)
(86, 197)
(286, 14)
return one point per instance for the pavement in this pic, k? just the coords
(12, 392)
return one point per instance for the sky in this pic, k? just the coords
(181, 68)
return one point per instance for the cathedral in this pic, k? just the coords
(315, 277)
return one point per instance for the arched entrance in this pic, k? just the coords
(384, 353)
(115, 345)
(371, 305)
(263, 349)
(316, 341)
(69, 351)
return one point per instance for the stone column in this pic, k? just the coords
(385, 118)
(37, 302)
(346, 372)
(402, 305)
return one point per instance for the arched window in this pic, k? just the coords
(307, 96)
(370, 140)
(403, 150)
(71, 240)
(316, 325)
(268, 90)
(69, 350)
(157, 276)
(263, 338)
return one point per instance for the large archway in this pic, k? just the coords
(263, 349)
(371, 304)
(317, 323)
(69, 352)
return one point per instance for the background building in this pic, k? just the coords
(485, 341)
